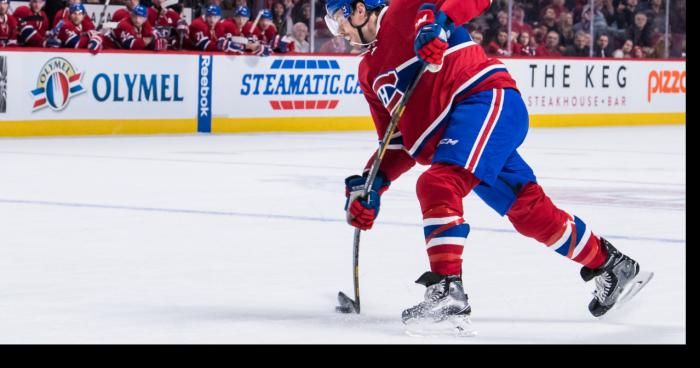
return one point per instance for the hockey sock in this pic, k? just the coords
(440, 191)
(534, 215)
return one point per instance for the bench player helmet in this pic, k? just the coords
(333, 6)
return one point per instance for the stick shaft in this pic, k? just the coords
(374, 169)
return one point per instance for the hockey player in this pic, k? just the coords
(466, 120)
(124, 13)
(33, 24)
(65, 14)
(166, 22)
(241, 19)
(135, 33)
(8, 25)
(266, 29)
(214, 33)
(76, 31)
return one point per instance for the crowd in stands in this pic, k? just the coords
(554, 28)
(538, 28)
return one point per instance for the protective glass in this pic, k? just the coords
(333, 22)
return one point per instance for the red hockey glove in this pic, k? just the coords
(433, 29)
(361, 212)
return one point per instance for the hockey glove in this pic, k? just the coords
(433, 29)
(95, 44)
(361, 212)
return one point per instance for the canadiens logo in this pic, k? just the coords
(385, 86)
(58, 81)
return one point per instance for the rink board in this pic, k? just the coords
(76, 93)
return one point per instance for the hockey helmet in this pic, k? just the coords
(333, 6)
(140, 11)
(77, 8)
(213, 11)
(242, 11)
(266, 14)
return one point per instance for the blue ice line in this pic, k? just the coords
(283, 217)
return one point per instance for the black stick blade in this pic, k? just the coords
(346, 304)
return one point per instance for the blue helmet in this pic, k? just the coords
(139, 11)
(77, 8)
(213, 10)
(266, 14)
(242, 11)
(332, 6)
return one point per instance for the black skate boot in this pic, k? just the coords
(445, 301)
(617, 280)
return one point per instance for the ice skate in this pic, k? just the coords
(445, 310)
(617, 281)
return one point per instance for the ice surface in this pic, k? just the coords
(241, 239)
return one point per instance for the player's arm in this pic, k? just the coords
(462, 11)
(434, 27)
(362, 211)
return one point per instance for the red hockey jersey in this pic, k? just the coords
(131, 38)
(65, 14)
(204, 38)
(73, 36)
(8, 30)
(163, 21)
(32, 26)
(387, 68)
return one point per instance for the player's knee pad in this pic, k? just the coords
(444, 185)
(502, 194)
(534, 215)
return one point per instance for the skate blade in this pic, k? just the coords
(634, 287)
(454, 326)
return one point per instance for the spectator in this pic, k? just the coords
(336, 45)
(523, 47)
(477, 36)
(637, 52)
(8, 27)
(540, 34)
(625, 13)
(499, 46)
(300, 33)
(657, 16)
(640, 31)
(602, 48)
(566, 29)
(281, 17)
(550, 47)
(501, 23)
(549, 19)
(626, 49)
(580, 47)
(599, 24)
(559, 7)
(519, 24)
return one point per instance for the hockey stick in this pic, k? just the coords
(255, 23)
(102, 16)
(347, 305)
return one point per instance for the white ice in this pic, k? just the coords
(242, 239)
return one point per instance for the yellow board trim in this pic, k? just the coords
(291, 124)
(583, 120)
(28, 128)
